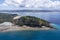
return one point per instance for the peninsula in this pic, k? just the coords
(14, 22)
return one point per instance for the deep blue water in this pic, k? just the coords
(31, 35)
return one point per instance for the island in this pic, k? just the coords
(14, 22)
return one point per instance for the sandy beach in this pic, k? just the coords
(17, 28)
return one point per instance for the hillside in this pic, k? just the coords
(5, 17)
(24, 20)
(31, 21)
(8, 23)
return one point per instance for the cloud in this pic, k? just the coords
(15, 3)
(44, 4)
(12, 2)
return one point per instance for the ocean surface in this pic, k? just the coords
(31, 35)
(53, 17)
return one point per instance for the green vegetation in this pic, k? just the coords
(31, 21)
(24, 20)
(5, 17)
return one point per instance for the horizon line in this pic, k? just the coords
(29, 10)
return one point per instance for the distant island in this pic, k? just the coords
(24, 22)
(29, 10)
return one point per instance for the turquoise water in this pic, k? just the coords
(32, 35)
(55, 25)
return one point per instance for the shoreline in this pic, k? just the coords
(19, 28)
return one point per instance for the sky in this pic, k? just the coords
(29, 4)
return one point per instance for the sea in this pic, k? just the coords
(52, 17)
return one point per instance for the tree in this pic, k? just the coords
(31, 21)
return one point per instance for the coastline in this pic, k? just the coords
(19, 28)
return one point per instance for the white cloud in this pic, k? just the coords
(15, 3)
(42, 3)
(49, 4)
